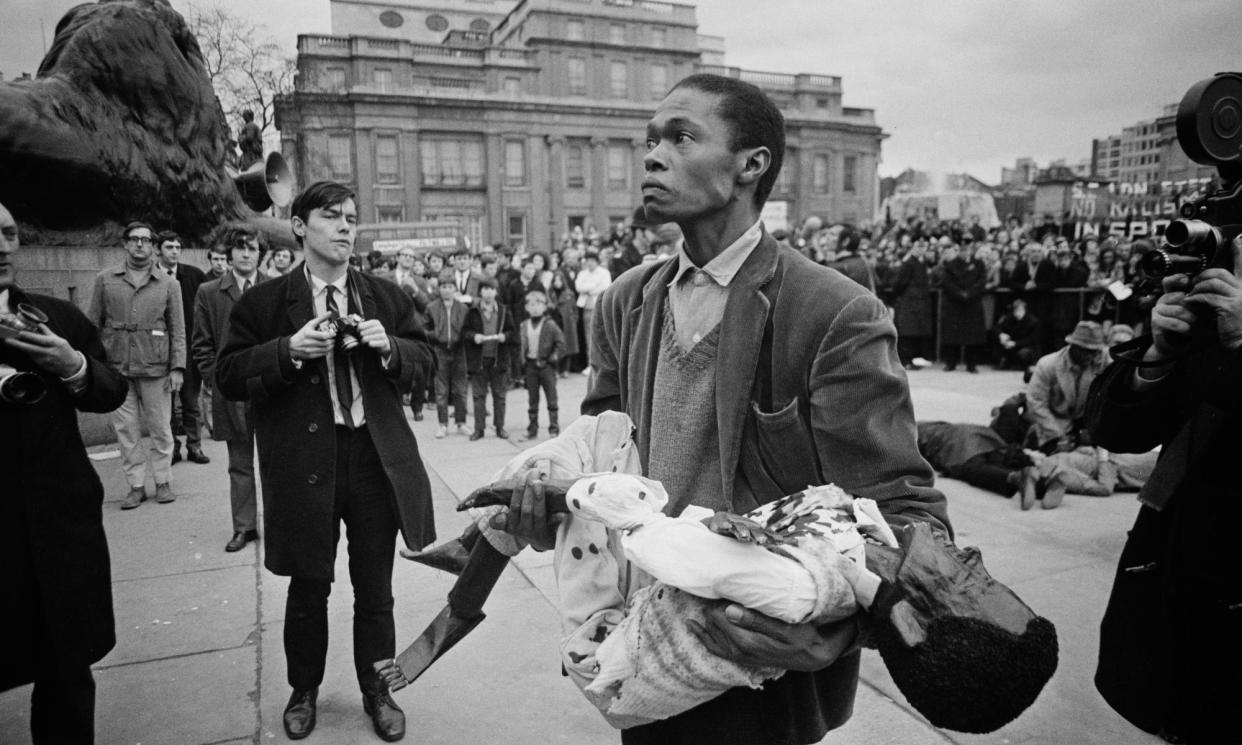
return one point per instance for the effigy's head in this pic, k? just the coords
(121, 122)
(964, 649)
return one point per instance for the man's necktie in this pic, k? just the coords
(340, 365)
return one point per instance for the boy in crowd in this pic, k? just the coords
(489, 331)
(541, 346)
(445, 318)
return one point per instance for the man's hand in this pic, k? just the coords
(1219, 291)
(374, 336)
(175, 380)
(308, 342)
(479, 338)
(527, 516)
(751, 638)
(49, 351)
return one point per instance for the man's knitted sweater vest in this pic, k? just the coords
(685, 437)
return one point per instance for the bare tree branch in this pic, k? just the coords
(245, 64)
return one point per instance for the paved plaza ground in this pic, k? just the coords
(199, 659)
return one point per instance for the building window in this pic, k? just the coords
(451, 162)
(849, 173)
(618, 79)
(480, 25)
(821, 103)
(577, 76)
(382, 78)
(788, 177)
(515, 163)
(659, 80)
(390, 213)
(659, 37)
(819, 174)
(387, 162)
(391, 19)
(616, 34)
(334, 78)
(516, 226)
(341, 157)
(575, 167)
(437, 22)
(619, 167)
(575, 29)
(512, 85)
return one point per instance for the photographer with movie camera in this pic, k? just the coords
(1171, 639)
(58, 583)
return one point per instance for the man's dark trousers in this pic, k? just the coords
(186, 417)
(451, 384)
(493, 376)
(541, 377)
(365, 502)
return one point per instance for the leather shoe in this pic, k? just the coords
(176, 456)
(196, 455)
(502, 433)
(240, 539)
(476, 435)
(386, 716)
(300, 713)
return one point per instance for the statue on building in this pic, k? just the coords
(250, 140)
(90, 143)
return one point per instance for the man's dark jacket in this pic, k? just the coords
(839, 412)
(293, 415)
(1171, 637)
(52, 542)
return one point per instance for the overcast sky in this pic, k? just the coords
(959, 85)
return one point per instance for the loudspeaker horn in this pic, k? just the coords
(267, 183)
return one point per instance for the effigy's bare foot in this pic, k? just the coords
(744, 529)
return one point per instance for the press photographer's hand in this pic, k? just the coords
(374, 335)
(1218, 292)
(308, 342)
(49, 352)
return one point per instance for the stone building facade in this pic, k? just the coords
(526, 119)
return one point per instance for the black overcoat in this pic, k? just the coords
(912, 308)
(1171, 637)
(961, 306)
(293, 417)
(52, 542)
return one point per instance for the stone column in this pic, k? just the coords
(599, 183)
(556, 186)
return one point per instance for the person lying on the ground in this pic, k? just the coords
(1091, 471)
(976, 454)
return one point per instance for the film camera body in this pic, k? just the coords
(16, 386)
(348, 338)
(1209, 129)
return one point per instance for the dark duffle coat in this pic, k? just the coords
(212, 305)
(912, 308)
(961, 305)
(293, 417)
(52, 543)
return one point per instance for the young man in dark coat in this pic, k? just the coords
(232, 419)
(962, 323)
(765, 425)
(58, 599)
(186, 416)
(334, 444)
(912, 308)
(1171, 638)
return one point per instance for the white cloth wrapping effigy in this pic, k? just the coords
(630, 576)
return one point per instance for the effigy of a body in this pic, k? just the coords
(963, 648)
(120, 123)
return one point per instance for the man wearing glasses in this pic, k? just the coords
(142, 325)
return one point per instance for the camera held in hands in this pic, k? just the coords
(1209, 129)
(27, 318)
(345, 328)
(18, 387)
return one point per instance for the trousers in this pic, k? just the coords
(148, 405)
